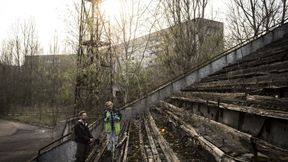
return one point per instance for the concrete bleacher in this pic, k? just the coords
(250, 97)
(214, 66)
(235, 104)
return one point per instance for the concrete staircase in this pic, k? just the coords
(226, 61)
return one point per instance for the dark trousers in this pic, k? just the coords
(81, 152)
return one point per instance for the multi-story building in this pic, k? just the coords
(144, 49)
(207, 33)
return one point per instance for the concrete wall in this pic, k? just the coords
(66, 151)
(231, 118)
(141, 105)
(272, 130)
(276, 132)
(212, 112)
(252, 124)
(63, 153)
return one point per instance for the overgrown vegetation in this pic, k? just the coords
(177, 38)
(34, 84)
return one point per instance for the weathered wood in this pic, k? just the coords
(262, 146)
(100, 153)
(168, 152)
(169, 119)
(125, 141)
(141, 143)
(251, 110)
(149, 153)
(213, 124)
(242, 98)
(241, 136)
(213, 95)
(275, 152)
(253, 60)
(262, 102)
(279, 79)
(152, 143)
(250, 71)
(214, 150)
(126, 147)
(267, 51)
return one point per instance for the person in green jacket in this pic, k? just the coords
(112, 121)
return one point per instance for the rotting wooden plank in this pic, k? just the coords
(168, 152)
(248, 62)
(124, 152)
(251, 110)
(169, 119)
(262, 102)
(152, 143)
(271, 150)
(234, 72)
(148, 150)
(262, 146)
(236, 137)
(212, 123)
(214, 95)
(100, 153)
(226, 129)
(215, 151)
(241, 98)
(126, 148)
(245, 82)
(275, 79)
(141, 143)
(92, 154)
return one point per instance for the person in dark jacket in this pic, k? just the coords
(83, 137)
(112, 122)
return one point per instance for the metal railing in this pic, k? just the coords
(68, 124)
(61, 140)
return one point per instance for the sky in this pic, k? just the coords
(50, 16)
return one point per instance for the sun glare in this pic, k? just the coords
(111, 8)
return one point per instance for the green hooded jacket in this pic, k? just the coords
(112, 121)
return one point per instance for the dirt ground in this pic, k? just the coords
(20, 142)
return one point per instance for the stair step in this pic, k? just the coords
(278, 114)
(249, 72)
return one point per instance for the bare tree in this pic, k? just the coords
(190, 38)
(6, 59)
(22, 41)
(248, 18)
(30, 47)
(284, 11)
(7, 52)
(54, 80)
(130, 48)
(72, 20)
